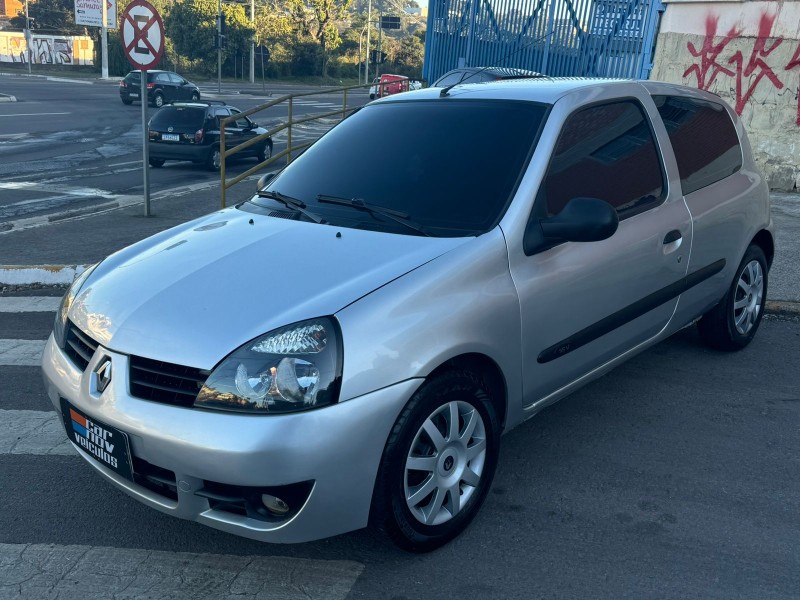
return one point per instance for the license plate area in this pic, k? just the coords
(170, 137)
(107, 445)
(133, 94)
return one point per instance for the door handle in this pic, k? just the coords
(672, 236)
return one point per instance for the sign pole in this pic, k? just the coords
(142, 35)
(145, 144)
(28, 37)
(104, 40)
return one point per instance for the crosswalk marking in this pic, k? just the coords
(50, 571)
(21, 353)
(29, 304)
(33, 432)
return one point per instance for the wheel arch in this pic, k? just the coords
(764, 240)
(488, 370)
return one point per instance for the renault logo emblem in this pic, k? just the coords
(103, 372)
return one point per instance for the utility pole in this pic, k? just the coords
(253, 43)
(219, 46)
(104, 40)
(369, 24)
(28, 36)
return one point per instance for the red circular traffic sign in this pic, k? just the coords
(142, 33)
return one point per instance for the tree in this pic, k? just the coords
(191, 24)
(51, 16)
(411, 52)
(316, 19)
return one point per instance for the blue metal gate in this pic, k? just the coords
(560, 38)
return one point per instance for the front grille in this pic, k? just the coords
(79, 347)
(165, 382)
(294, 216)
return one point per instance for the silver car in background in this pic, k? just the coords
(344, 350)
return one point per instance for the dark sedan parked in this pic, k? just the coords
(163, 87)
(191, 131)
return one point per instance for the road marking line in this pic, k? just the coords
(21, 304)
(41, 274)
(50, 570)
(21, 353)
(34, 114)
(36, 432)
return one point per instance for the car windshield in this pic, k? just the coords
(450, 166)
(179, 117)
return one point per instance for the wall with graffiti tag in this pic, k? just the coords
(749, 54)
(47, 49)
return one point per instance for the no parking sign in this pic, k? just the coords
(142, 32)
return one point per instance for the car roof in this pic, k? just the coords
(546, 90)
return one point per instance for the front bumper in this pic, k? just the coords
(338, 448)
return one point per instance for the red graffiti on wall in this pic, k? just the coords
(795, 62)
(709, 53)
(755, 64)
(748, 74)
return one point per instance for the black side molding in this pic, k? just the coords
(629, 313)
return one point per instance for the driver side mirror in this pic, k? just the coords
(581, 220)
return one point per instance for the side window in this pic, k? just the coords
(221, 114)
(704, 140)
(608, 152)
(176, 79)
(162, 78)
(242, 123)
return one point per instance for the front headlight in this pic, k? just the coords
(66, 304)
(292, 368)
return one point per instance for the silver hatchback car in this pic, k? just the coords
(347, 347)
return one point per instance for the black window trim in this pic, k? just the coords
(538, 213)
(727, 111)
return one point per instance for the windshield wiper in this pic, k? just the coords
(394, 215)
(292, 203)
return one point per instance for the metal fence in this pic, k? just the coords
(560, 38)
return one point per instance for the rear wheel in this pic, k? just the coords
(127, 102)
(733, 323)
(158, 100)
(438, 463)
(156, 162)
(214, 159)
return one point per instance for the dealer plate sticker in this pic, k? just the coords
(106, 444)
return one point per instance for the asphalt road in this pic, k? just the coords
(66, 146)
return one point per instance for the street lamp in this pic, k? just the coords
(366, 62)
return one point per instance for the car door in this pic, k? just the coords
(164, 84)
(179, 87)
(584, 304)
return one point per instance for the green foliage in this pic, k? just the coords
(51, 16)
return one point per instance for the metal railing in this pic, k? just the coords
(291, 122)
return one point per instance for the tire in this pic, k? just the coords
(127, 102)
(733, 323)
(372, 96)
(264, 152)
(213, 161)
(416, 507)
(158, 100)
(195, 96)
(156, 162)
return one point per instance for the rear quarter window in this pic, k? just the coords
(704, 139)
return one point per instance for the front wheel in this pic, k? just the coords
(265, 152)
(438, 463)
(195, 96)
(733, 323)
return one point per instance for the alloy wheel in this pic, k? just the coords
(749, 296)
(445, 462)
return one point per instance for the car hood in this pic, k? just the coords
(195, 293)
